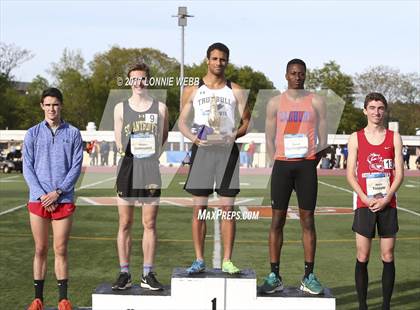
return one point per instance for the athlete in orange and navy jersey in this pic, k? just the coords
(295, 130)
(296, 117)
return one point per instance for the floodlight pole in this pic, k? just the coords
(182, 22)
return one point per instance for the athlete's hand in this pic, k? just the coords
(200, 142)
(379, 204)
(320, 154)
(229, 139)
(51, 207)
(49, 198)
(369, 202)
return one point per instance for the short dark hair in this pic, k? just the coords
(375, 97)
(52, 92)
(295, 61)
(139, 66)
(218, 46)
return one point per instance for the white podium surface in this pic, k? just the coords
(211, 290)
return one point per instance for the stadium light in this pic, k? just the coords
(182, 22)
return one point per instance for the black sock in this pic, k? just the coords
(62, 289)
(362, 280)
(275, 267)
(309, 268)
(388, 278)
(39, 289)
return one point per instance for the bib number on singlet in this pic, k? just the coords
(151, 118)
(388, 164)
(377, 185)
(142, 145)
(295, 145)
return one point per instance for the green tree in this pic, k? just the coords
(109, 67)
(407, 115)
(8, 98)
(402, 91)
(11, 57)
(71, 78)
(331, 77)
(28, 108)
(394, 85)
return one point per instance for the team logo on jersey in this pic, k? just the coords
(375, 162)
(295, 116)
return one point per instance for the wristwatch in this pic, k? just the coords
(59, 191)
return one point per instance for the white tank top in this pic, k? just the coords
(226, 105)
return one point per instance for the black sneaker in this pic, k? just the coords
(123, 282)
(150, 282)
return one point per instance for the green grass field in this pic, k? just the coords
(93, 256)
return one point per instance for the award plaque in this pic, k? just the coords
(214, 123)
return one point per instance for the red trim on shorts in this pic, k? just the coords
(63, 210)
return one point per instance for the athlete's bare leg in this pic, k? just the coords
(149, 215)
(228, 227)
(307, 222)
(40, 227)
(199, 226)
(275, 239)
(126, 217)
(61, 233)
(363, 246)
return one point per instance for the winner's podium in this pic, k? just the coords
(212, 290)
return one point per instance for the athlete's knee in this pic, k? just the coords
(308, 225)
(149, 224)
(387, 256)
(41, 251)
(277, 224)
(125, 224)
(362, 254)
(60, 249)
(307, 222)
(363, 257)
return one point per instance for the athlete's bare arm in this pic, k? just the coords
(164, 123)
(320, 108)
(118, 123)
(398, 177)
(187, 109)
(271, 126)
(243, 109)
(351, 171)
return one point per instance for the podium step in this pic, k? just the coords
(296, 292)
(106, 288)
(210, 290)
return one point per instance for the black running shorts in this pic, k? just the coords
(138, 178)
(365, 222)
(300, 176)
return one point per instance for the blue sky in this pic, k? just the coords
(262, 34)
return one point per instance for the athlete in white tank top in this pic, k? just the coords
(226, 106)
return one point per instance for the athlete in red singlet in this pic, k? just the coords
(375, 171)
(375, 163)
